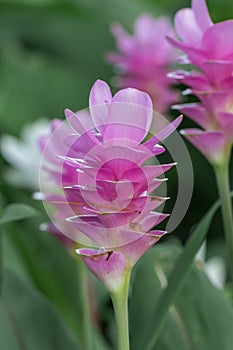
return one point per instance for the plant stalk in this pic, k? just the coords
(223, 182)
(120, 303)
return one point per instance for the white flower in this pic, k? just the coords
(214, 267)
(23, 154)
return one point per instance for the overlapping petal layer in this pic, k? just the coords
(144, 58)
(105, 198)
(209, 47)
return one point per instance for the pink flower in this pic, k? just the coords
(106, 186)
(208, 46)
(144, 59)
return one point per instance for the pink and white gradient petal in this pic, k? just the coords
(211, 143)
(109, 267)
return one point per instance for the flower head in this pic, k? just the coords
(209, 47)
(144, 58)
(106, 187)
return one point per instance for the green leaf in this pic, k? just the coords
(178, 276)
(44, 262)
(17, 211)
(28, 321)
(200, 317)
(48, 265)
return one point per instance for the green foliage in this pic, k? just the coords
(181, 270)
(29, 321)
(42, 261)
(201, 317)
(17, 211)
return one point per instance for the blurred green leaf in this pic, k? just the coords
(201, 317)
(44, 262)
(48, 265)
(180, 273)
(17, 211)
(29, 321)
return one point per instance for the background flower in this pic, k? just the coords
(144, 57)
(23, 154)
(208, 46)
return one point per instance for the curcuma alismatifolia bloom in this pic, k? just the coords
(144, 57)
(209, 47)
(106, 202)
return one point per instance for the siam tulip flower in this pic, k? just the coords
(24, 155)
(209, 47)
(144, 59)
(105, 182)
(106, 187)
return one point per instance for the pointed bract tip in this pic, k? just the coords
(68, 113)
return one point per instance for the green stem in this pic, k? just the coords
(120, 303)
(223, 182)
(83, 282)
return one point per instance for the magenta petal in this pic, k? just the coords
(128, 157)
(226, 122)
(193, 79)
(179, 44)
(136, 248)
(80, 122)
(195, 55)
(124, 41)
(218, 70)
(108, 266)
(143, 28)
(211, 143)
(201, 14)
(196, 112)
(218, 40)
(187, 27)
(130, 115)
(152, 220)
(100, 98)
(81, 144)
(93, 230)
(163, 134)
(213, 100)
(169, 129)
(100, 93)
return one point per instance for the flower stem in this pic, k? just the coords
(83, 282)
(223, 182)
(120, 303)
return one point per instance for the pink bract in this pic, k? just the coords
(144, 58)
(209, 47)
(105, 199)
